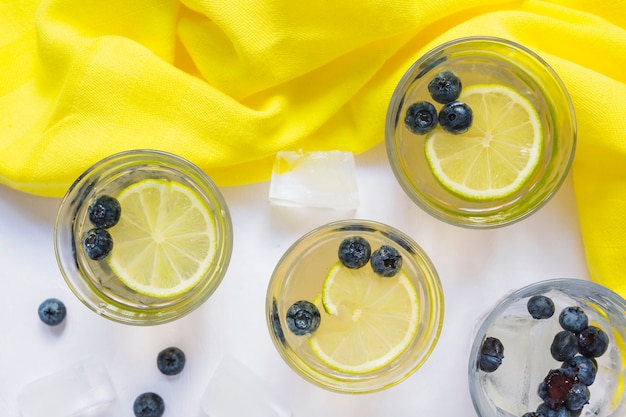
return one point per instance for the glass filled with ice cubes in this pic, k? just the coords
(553, 348)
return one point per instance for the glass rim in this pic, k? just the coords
(454, 217)
(565, 284)
(349, 383)
(87, 292)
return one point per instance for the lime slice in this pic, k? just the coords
(497, 155)
(164, 243)
(367, 321)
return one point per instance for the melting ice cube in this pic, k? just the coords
(78, 388)
(314, 179)
(235, 391)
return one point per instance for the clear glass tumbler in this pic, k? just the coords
(114, 286)
(393, 321)
(527, 344)
(490, 64)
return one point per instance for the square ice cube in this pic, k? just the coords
(235, 391)
(78, 388)
(325, 179)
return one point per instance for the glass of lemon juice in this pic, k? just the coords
(143, 237)
(354, 306)
(480, 132)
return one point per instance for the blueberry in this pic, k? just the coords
(52, 311)
(104, 211)
(540, 307)
(554, 389)
(278, 329)
(171, 361)
(386, 261)
(578, 396)
(583, 367)
(421, 117)
(148, 404)
(491, 354)
(593, 341)
(445, 87)
(97, 244)
(303, 318)
(573, 319)
(531, 414)
(564, 345)
(456, 117)
(354, 252)
(544, 411)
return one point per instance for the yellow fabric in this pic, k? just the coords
(228, 83)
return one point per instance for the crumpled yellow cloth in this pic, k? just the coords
(227, 83)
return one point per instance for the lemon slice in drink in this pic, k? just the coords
(164, 243)
(367, 321)
(497, 155)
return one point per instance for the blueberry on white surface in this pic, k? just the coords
(97, 244)
(104, 211)
(540, 307)
(303, 317)
(52, 311)
(573, 319)
(456, 117)
(490, 355)
(564, 345)
(445, 87)
(386, 261)
(149, 404)
(354, 252)
(421, 117)
(171, 361)
(593, 342)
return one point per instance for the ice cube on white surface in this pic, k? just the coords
(78, 388)
(235, 391)
(325, 179)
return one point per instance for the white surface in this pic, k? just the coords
(476, 268)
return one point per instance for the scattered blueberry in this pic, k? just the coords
(573, 319)
(491, 354)
(52, 311)
(171, 361)
(386, 261)
(583, 367)
(564, 345)
(445, 87)
(104, 211)
(592, 341)
(148, 404)
(421, 117)
(577, 397)
(456, 117)
(540, 307)
(303, 318)
(354, 252)
(554, 389)
(531, 414)
(97, 244)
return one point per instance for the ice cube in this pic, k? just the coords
(78, 388)
(235, 391)
(325, 179)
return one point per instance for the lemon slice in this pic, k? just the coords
(367, 321)
(497, 155)
(164, 243)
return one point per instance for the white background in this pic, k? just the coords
(476, 268)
